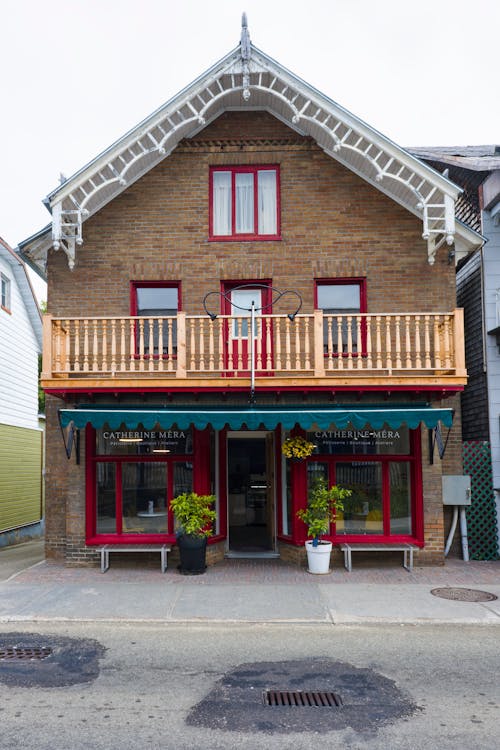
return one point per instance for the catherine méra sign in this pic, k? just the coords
(368, 441)
(143, 441)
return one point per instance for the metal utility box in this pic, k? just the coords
(456, 490)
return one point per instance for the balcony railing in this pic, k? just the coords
(316, 345)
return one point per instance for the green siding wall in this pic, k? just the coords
(20, 476)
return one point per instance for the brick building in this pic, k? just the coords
(251, 261)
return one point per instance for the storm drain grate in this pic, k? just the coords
(464, 595)
(25, 653)
(317, 698)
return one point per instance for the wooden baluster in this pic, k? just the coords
(180, 362)
(359, 343)
(104, 340)
(349, 342)
(67, 345)
(288, 347)
(95, 349)
(329, 340)
(427, 342)
(239, 338)
(113, 346)
(230, 322)
(85, 345)
(161, 354)
(398, 342)
(76, 365)
(132, 330)
(269, 350)
(298, 352)
(211, 346)
(340, 344)
(437, 344)
(307, 346)
(418, 358)
(192, 345)
(201, 339)
(378, 342)
(369, 358)
(258, 343)
(170, 344)
(151, 344)
(221, 323)
(446, 334)
(123, 360)
(141, 344)
(57, 346)
(408, 343)
(277, 334)
(388, 344)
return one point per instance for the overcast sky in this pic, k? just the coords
(75, 75)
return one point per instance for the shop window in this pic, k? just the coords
(340, 299)
(380, 467)
(5, 292)
(158, 303)
(137, 472)
(244, 203)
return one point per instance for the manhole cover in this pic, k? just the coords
(40, 652)
(464, 595)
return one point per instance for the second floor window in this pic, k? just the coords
(5, 292)
(341, 301)
(244, 202)
(158, 303)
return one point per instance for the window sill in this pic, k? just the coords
(247, 238)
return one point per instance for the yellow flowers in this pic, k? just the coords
(297, 447)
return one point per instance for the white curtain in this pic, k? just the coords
(267, 202)
(244, 203)
(221, 203)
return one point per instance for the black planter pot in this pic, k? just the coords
(192, 550)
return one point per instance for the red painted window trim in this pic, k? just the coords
(414, 458)
(200, 445)
(361, 282)
(238, 169)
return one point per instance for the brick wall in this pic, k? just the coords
(333, 225)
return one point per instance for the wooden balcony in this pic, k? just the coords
(195, 352)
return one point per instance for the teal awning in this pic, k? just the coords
(255, 417)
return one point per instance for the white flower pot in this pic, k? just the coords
(318, 558)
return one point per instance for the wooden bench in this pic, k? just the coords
(406, 549)
(163, 549)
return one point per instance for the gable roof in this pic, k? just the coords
(26, 290)
(247, 78)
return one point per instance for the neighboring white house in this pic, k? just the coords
(21, 436)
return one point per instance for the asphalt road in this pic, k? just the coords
(145, 686)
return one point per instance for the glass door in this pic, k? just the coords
(250, 482)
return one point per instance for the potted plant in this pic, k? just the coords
(194, 516)
(323, 504)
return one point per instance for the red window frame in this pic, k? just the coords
(245, 169)
(354, 281)
(135, 285)
(200, 457)
(414, 458)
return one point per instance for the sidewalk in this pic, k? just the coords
(241, 591)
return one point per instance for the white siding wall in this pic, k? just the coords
(491, 285)
(18, 361)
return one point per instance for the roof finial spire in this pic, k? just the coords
(246, 52)
(245, 38)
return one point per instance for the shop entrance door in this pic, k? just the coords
(251, 494)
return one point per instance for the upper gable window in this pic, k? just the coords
(244, 203)
(5, 292)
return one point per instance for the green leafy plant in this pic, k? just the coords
(194, 513)
(322, 506)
